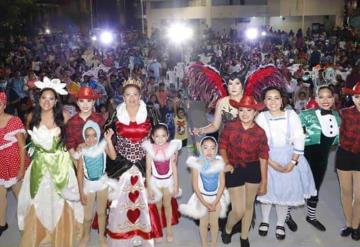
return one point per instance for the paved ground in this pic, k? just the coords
(329, 212)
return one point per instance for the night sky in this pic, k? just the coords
(110, 13)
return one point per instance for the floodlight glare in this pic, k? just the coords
(263, 33)
(47, 31)
(179, 33)
(106, 37)
(252, 33)
(93, 38)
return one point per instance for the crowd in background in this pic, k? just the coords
(305, 58)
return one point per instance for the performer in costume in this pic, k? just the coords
(348, 164)
(224, 111)
(321, 132)
(162, 176)
(86, 98)
(289, 176)
(92, 178)
(210, 200)
(14, 160)
(129, 220)
(49, 209)
(243, 146)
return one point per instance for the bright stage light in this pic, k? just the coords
(252, 33)
(263, 33)
(179, 33)
(106, 37)
(47, 31)
(93, 38)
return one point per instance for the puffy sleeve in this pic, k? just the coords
(261, 121)
(297, 133)
(16, 125)
(192, 162)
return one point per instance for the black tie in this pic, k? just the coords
(325, 112)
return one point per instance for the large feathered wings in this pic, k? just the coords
(205, 84)
(262, 78)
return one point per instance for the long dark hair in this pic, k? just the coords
(57, 111)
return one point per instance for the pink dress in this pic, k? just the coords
(9, 152)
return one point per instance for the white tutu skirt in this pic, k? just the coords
(290, 188)
(196, 210)
(95, 186)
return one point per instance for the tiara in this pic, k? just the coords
(133, 81)
(54, 84)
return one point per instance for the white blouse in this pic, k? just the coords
(278, 134)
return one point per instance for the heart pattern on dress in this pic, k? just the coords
(133, 215)
(133, 196)
(134, 179)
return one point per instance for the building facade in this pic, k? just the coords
(238, 14)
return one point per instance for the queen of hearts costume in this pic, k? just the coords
(49, 209)
(129, 219)
(209, 181)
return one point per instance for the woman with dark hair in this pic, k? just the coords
(49, 208)
(224, 111)
(289, 176)
(129, 219)
(321, 132)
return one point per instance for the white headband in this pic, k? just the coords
(54, 84)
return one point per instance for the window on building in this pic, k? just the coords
(176, 4)
(238, 2)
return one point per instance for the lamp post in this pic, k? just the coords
(142, 16)
(91, 15)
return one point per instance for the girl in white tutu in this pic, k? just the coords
(92, 178)
(210, 200)
(162, 179)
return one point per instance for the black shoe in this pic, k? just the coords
(3, 228)
(355, 234)
(263, 232)
(278, 235)
(244, 242)
(316, 224)
(225, 237)
(346, 231)
(291, 224)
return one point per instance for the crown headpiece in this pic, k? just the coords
(134, 82)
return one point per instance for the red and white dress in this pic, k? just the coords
(129, 219)
(10, 152)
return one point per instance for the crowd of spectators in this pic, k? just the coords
(307, 59)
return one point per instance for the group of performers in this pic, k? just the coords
(126, 167)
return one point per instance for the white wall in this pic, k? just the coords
(292, 10)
